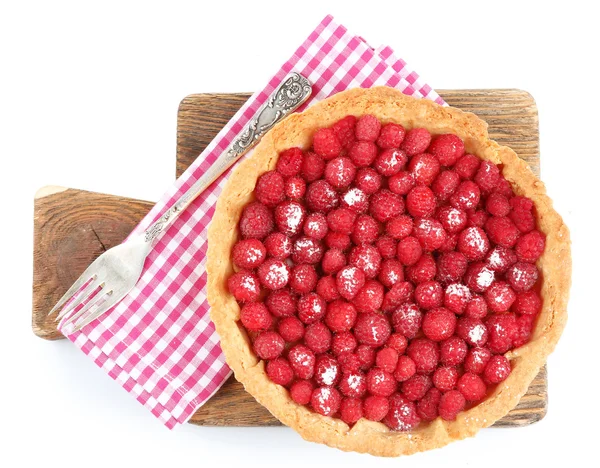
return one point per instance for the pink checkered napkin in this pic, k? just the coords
(159, 342)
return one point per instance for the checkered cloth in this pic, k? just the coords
(159, 342)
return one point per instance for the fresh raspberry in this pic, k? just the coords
(341, 220)
(398, 342)
(327, 289)
(407, 320)
(303, 278)
(343, 342)
(315, 226)
(416, 141)
(280, 371)
(522, 276)
(244, 286)
(289, 162)
(362, 154)
(390, 162)
(420, 202)
(476, 308)
(402, 415)
(473, 331)
(398, 294)
(521, 203)
(268, 345)
(477, 359)
(270, 188)
(452, 219)
(409, 250)
(248, 253)
(351, 410)
(445, 184)
(333, 261)
(295, 187)
(467, 166)
(326, 401)
(499, 259)
(456, 297)
(402, 183)
(355, 199)
(424, 168)
(256, 317)
(477, 218)
(386, 205)
(451, 267)
(429, 295)
(500, 296)
(366, 230)
(448, 148)
(391, 272)
(317, 337)
(416, 387)
(380, 382)
(430, 234)
(321, 196)
(340, 316)
(427, 407)
(313, 167)
(307, 250)
(445, 378)
(311, 308)
(386, 246)
(502, 329)
(291, 329)
(472, 387)
(344, 130)
(530, 246)
(326, 143)
(375, 407)
(451, 403)
(473, 243)
(387, 359)
(372, 329)
(425, 353)
(281, 303)
(405, 369)
(340, 172)
(450, 244)
(497, 205)
(278, 245)
(478, 277)
(424, 270)
(487, 176)
(367, 128)
(366, 356)
(528, 303)
(301, 391)
(523, 219)
(370, 297)
(349, 281)
(289, 217)
(391, 136)
(525, 324)
(497, 369)
(368, 180)
(503, 187)
(502, 231)
(439, 324)
(399, 227)
(350, 363)
(327, 371)
(367, 258)
(256, 221)
(453, 351)
(274, 273)
(466, 196)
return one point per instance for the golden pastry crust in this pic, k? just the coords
(389, 105)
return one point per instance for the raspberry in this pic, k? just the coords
(327, 289)
(281, 303)
(503, 187)
(424, 168)
(307, 250)
(497, 205)
(367, 258)
(425, 353)
(321, 196)
(270, 188)
(416, 387)
(401, 183)
(368, 180)
(429, 295)
(367, 128)
(473, 243)
(255, 316)
(530, 246)
(402, 415)
(278, 245)
(416, 141)
(303, 278)
(370, 297)
(386, 246)
(499, 259)
(439, 324)
(390, 162)
(301, 391)
(326, 401)
(478, 277)
(362, 154)
(365, 230)
(397, 295)
(420, 202)
(451, 403)
(487, 176)
(315, 226)
(451, 266)
(502, 329)
(472, 387)
(476, 308)
(478, 218)
(291, 329)
(366, 356)
(522, 276)
(525, 325)
(372, 329)
(424, 270)
(344, 130)
(456, 297)
(452, 219)
(349, 363)
(295, 188)
(405, 369)
(343, 342)
(256, 221)
(289, 162)
(466, 196)
(391, 272)
(409, 250)
(447, 148)
(477, 359)
(380, 382)
(467, 166)
(500, 296)
(349, 281)
(340, 316)
(502, 231)
(524, 220)
(340, 172)
(399, 227)
(327, 371)
(445, 184)
(326, 144)
(450, 244)
(398, 342)
(387, 359)
(355, 199)
(248, 253)
(311, 308)
(333, 261)
(268, 345)
(280, 371)
(528, 303)
(351, 410)
(430, 234)
(274, 274)
(289, 217)
(497, 369)
(313, 167)
(375, 407)
(386, 205)
(341, 220)
(453, 351)
(317, 337)
(407, 320)
(244, 286)
(473, 331)
(445, 378)
(391, 136)
(427, 407)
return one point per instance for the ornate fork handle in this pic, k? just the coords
(291, 93)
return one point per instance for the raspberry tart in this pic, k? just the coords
(384, 277)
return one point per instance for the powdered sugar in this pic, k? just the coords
(484, 278)
(476, 333)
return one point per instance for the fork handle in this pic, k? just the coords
(291, 93)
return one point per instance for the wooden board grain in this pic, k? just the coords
(72, 227)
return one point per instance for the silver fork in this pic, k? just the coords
(114, 273)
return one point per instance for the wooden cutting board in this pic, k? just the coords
(72, 227)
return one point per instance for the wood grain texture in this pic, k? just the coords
(73, 227)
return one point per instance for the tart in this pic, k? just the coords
(384, 277)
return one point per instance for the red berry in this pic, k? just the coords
(390, 162)
(420, 202)
(368, 180)
(340, 172)
(487, 176)
(391, 272)
(248, 253)
(473, 243)
(350, 362)
(274, 274)
(353, 384)
(453, 351)
(380, 382)
(399, 227)
(456, 297)
(326, 401)
(303, 278)
(445, 378)
(497, 205)
(500, 296)
(315, 226)
(477, 218)
(333, 261)
(525, 324)
(425, 168)
(447, 148)
(478, 277)
(281, 303)
(355, 199)
(466, 196)
(270, 188)
(372, 329)
(409, 250)
(386, 205)
(362, 154)
(523, 219)
(387, 359)
(268, 345)
(497, 369)
(349, 281)
(244, 286)
(307, 250)
(445, 184)
(256, 221)
(341, 220)
(366, 356)
(451, 403)
(340, 316)
(321, 196)
(367, 258)
(439, 324)
(503, 187)
(344, 130)
(429, 295)
(255, 316)
(416, 141)
(502, 329)
(522, 276)
(301, 391)
(424, 270)
(430, 234)
(427, 407)
(375, 407)
(476, 308)
(317, 337)
(397, 342)
(313, 167)
(425, 353)
(391, 136)
(289, 217)
(477, 359)
(530, 246)
(405, 369)
(280, 371)
(366, 230)
(386, 246)
(311, 308)
(327, 289)
(452, 219)
(295, 187)
(370, 297)
(327, 371)
(451, 267)
(402, 415)
(528, 303)
(290, 162)
(326, 144)
(291, 329)
(416, 387)
(472, 387)
(467, 166)
(473, 331)
(367, 128)
(502, 231)
(278, 245)
(402, 182)
(499, 259)
(397, 295)
(407, 320)
(343, 342)
(351, 410)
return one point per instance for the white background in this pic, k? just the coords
(88, 99)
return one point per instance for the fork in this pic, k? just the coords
(114, 273)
